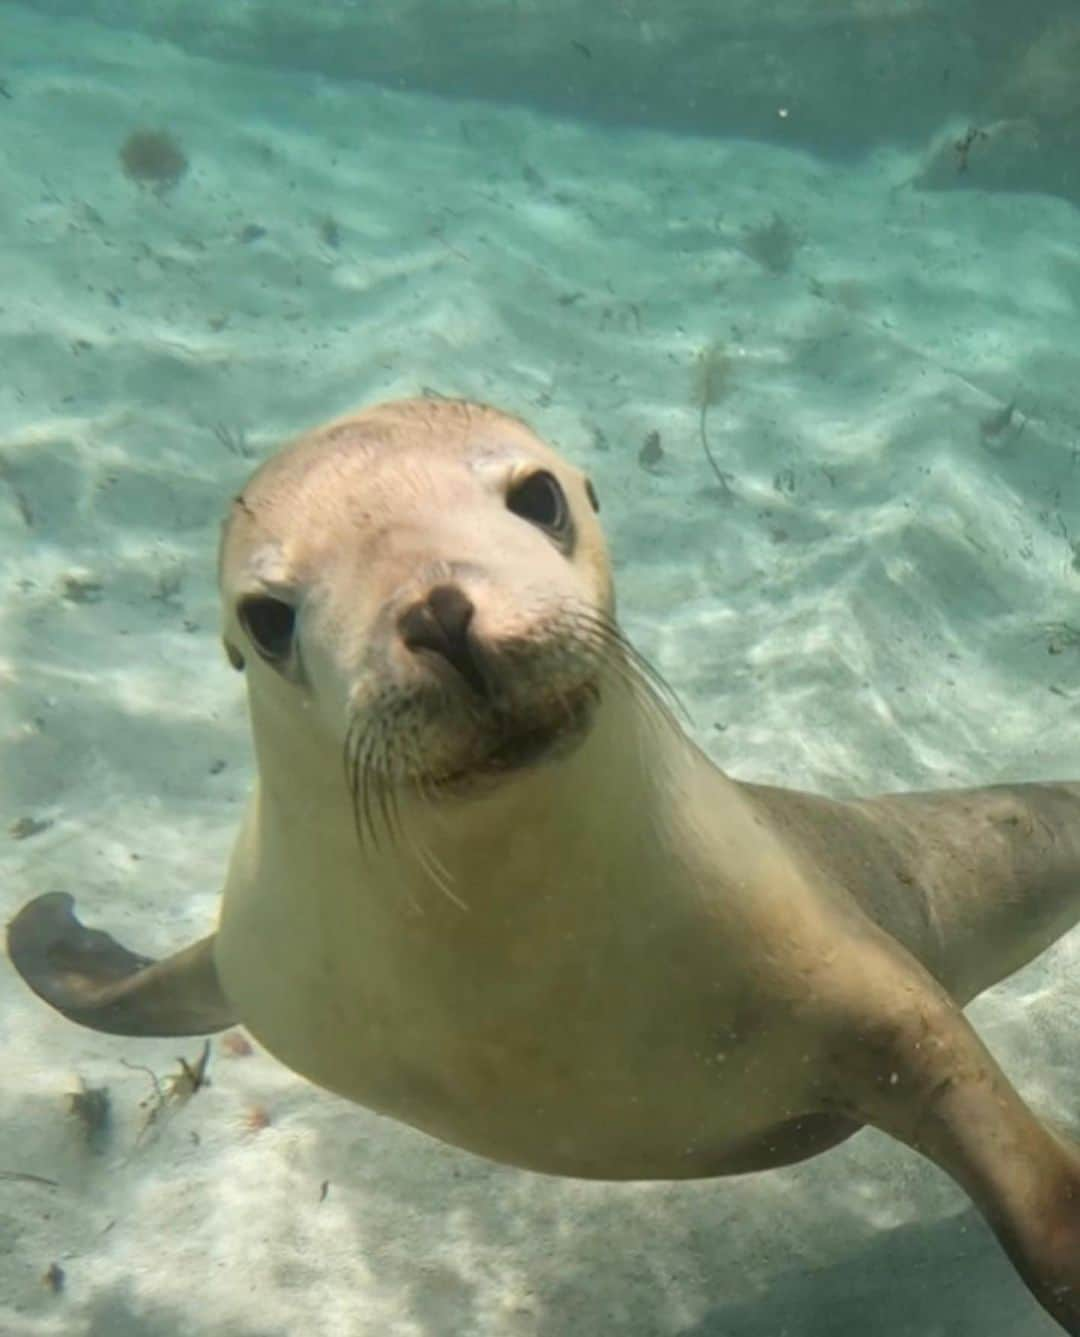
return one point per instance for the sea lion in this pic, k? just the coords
(486, 884)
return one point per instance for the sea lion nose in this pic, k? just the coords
(439, 623)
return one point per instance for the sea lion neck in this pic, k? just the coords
(484, 850)
(539, 816)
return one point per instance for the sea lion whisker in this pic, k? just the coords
(428, 860)
(438, 874)
(370, 781)
(352, 750)
(386, 781)
(615, 654)
(616, 637)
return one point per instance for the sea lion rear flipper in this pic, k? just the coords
(93, 980)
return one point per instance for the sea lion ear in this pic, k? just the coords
(590, 492)
(236, 659)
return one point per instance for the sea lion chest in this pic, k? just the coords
(532, 1015)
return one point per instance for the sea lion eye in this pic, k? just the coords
(540, 500)
(270, 624)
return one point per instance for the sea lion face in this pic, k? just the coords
(428, 584)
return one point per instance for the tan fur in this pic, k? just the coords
(615, 962)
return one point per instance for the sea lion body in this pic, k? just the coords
(390, 993)
(487, 886)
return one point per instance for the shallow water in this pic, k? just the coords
(887, 602)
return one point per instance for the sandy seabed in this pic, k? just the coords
(888, 602)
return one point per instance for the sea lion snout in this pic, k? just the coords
(492, 681)
(439, 625)
(463, 640)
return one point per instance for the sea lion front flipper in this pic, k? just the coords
(93, 980)
(909, 1063)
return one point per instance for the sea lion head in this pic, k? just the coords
(426, 586)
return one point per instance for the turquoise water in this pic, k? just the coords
(605, 224)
